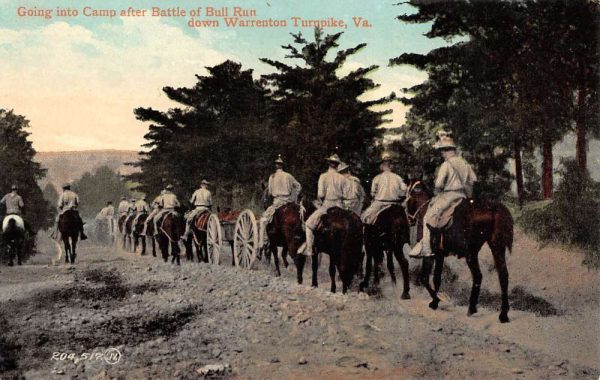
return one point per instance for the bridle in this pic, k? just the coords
(412, 218)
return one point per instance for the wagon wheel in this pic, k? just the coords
(245, 239)
(214, 238)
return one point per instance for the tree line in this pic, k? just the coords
(521, 75)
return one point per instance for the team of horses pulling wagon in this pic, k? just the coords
(342, 236)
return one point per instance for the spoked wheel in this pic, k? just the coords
(245, 243)
(214, 237)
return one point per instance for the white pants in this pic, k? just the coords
(189, 218)
(437, 206)
(313, 221)
(150, 219)
(160, 215)
(372, 212)
(267, 217)
(354, 205)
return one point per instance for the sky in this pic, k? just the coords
(78, 79)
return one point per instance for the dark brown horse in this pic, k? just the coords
(122, 226)
(340, 236)
(475, 222)
(170, 229)
(69, 226)
(138, 238)
(151, 235)
(198, 238)
(285, 231)
(387, 236)
(13, 237)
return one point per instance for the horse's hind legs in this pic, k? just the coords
(405, 274)
(315, 269)
(275, 255)
(299, 260)
(332, 274)
(473, 263)
(390, 266)
(369, 267)
(500, 263)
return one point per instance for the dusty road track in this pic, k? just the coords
(168, 321)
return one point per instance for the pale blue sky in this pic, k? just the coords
(78, 79)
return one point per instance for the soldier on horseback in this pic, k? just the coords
(14, 205)
(141, 208)
(155, 210)
(69, 201)
(356, 194)
(202, 202)
(454, 181)
(284, 189)
(123, 208)
(387, 189)
(332, 188)
(107, 214)
(168, 203)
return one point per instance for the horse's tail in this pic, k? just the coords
(503, 233)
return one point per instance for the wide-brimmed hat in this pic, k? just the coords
(343, 167)
(205, 182)
(66, 186)
(123, 198)
(144, 197)
(334, 158)
(445, 140)
(14, 187)
(386, 157)
(279, 160)
(169, 187)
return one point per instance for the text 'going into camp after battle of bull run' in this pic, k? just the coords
(197, 17)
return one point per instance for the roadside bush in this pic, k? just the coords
(572, 217)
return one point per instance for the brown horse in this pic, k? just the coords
(198, 238)
(170, 229)
(69, 226)
(340, 236)
(122, 225)
(475, 222)
(138, 238)
(388, 235)
(285, 231)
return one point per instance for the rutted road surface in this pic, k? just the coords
(169, 322)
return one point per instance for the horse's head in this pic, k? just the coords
(417, 196)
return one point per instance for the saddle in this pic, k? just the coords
(451, 237)
(201, 221)
(444, 220)
(18, 221)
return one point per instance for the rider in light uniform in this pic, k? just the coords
(454, 181)
(202, 201)
(168, 203)
(123, 208)
(284, 189)
(141, 207)
(331, 190)
(69, 200)
(14, 205)
(155, 210)
(387, 188)
(355, 198)
(108, 214)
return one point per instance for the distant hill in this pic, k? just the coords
(69, 166)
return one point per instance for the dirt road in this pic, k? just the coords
(168, 322)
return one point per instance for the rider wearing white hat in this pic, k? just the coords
(202, 202)
(332, 188)
(156, 204)
(123, 207)
(284, 189)
(69, 200)
(168, 203)
(387, 188)
(356, 194)
(13, 202)
(454, 181)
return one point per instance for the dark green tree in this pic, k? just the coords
(95, 189)
(317, 112)
(219, 131)
(503, 88)
(18, 167)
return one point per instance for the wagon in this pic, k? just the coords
(240, 230)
